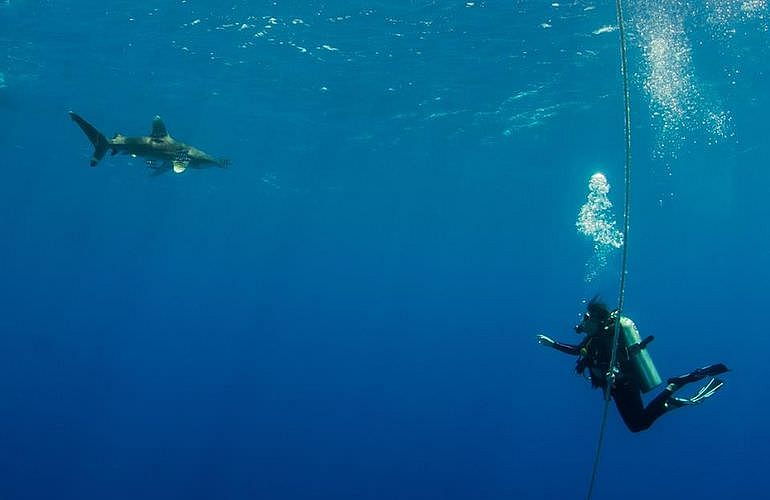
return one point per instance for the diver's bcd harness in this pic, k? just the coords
(633, 360)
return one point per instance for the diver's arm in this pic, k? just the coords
(559, 346)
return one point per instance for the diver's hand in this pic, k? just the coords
(546, 341)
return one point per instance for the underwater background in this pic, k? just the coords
(350, 309)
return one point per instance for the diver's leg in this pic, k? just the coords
(628, 397)
(628, 400)
(659, 405)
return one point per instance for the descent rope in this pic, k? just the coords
(624, 258)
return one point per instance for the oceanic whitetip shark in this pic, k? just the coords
(159, 146)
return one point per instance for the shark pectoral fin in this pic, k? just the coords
(181, 161)
(180, 166)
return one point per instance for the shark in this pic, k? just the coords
(161, 151)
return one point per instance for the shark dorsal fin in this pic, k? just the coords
(158, 129)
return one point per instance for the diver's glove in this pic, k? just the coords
(546, 341)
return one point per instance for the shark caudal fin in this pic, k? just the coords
(101, 144)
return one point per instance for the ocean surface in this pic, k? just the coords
(349, 310)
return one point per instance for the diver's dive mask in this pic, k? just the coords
(580, 327)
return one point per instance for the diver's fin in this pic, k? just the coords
(101, 144)
(158, 129)
(698, 374)
(704, 392)
(707, 390)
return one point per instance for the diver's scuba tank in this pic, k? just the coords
(643, 368)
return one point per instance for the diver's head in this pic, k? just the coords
(595, 319)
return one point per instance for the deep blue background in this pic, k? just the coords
(350, 310)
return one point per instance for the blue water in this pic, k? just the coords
(350, 309)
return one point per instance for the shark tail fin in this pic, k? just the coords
(101, 144)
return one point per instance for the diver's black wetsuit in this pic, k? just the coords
(594, 354)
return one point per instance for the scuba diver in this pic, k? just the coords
(634, 373)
